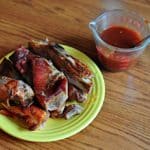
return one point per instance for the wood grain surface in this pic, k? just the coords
(124, 121)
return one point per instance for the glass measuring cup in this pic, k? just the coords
(115, 58)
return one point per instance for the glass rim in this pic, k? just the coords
(137, 48)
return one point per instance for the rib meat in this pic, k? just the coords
(75, 93)
(72, 110)
(15, 92)
(7, 69)
(50, 85)
(77, 73)
(69, 111)
(22, 64)
(31, 117)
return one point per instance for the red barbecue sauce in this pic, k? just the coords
(120, 37)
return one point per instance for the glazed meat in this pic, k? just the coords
(50, 85)
(39, 47)
(77, 73)
(69, 111)
(22, 64)
(7, 69)
(75, 93)
(72, 110)
(15, 92)
(30, 117)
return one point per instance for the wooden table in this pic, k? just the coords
(124, 121)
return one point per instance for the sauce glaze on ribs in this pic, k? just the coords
(77, 73)
(50, 85)
(15, 92)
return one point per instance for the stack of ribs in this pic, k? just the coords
(39, 81)
(16, 99)
(77, 73)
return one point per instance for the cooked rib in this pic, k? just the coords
(30, 117)
(50, 85)
(72, 110)
(39, 47)
(69, 111)
(76, 94)
(22, 64)
(77, 73)
(7, 69)
(15, 92)
(55, 114)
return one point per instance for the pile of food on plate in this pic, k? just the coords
(38, 81)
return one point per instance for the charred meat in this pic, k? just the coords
(31, 117)
(22, 64)
(75, 93)
(77, 73)
(7, 69)
(69, 111)
(50, 85)
(72, 110)
(15, 92)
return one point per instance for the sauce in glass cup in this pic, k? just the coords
(116, 32)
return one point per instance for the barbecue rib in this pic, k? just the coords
(78, 74)
(72, 110)
(31, 117)
(50, 85)
(15, 92)
(22, 64)
(69, 111)
(75, 93)
(7, 69)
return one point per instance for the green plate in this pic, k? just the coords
(57, 129)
